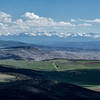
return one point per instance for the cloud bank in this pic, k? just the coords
(31, 24)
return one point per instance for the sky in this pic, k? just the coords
(37, 17)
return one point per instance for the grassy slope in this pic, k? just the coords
(6, 77)
(36, 87)
(84, 73)
(29, 64)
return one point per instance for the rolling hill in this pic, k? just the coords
(35, 86)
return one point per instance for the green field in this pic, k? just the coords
(50, 65)
(80, 72)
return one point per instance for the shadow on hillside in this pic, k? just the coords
(39, 87)
(83, 77)
(27, 72)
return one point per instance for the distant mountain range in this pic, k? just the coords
(43, 47)
(42, 38)
(71, 42)
(64, 50)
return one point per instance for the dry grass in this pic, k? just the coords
(6, 77)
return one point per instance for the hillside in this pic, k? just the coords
(38, 53)
(69, 50)
(35, 86)
(85, 73)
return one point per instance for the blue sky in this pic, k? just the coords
(57, 9)
(66, 16)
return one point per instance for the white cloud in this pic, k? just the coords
(85, 24)
(4, 17)
(97, 36)
(35, 20)
(73, 20)
(62, 23)
(32, 24)
(94, 21)
(91, 21)
(31, 15)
